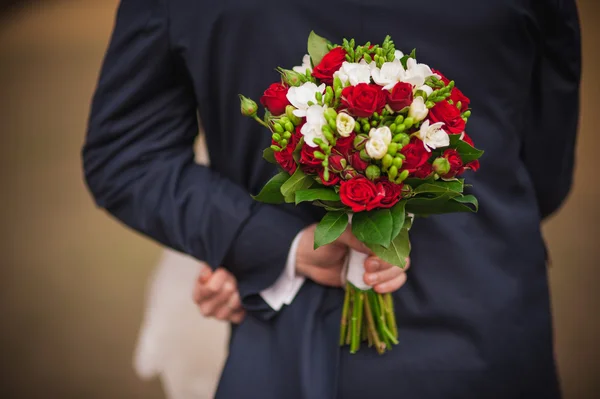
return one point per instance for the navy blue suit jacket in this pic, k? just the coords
(474, 316)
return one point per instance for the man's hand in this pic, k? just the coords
(217, 296)
(325, 264)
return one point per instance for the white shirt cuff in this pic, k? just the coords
(285, 289)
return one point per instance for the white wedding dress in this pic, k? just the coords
(176, 343)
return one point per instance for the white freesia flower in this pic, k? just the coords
(427, 89)
(433, 136)
(313, 128)
(384, 133)
(398, 54)
(300, 96)
(418, 110)
(305, 65)
(416, 73)
(345, 124)
(376, 147)
(389, 74)
(354, 73)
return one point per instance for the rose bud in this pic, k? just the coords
(247, 106)
(291, 78)
(364, 156)
(373, 172)
(345, 124)
(337, 163)
(376, 147)
(358, 163)
(441, 166)
(418, 111)
(349, 173)
(360, 141)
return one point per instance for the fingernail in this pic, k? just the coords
(375, 264)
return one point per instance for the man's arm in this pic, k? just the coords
(139, 161)
(549, 146)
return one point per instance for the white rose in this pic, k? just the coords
(305, 65)
(418, 110)
(354, 73)
(345, 124)
(389, 74)
(300, 96)
(384, 133)
(376, 147)
(433, 136)
(416, 73)
(313, 128)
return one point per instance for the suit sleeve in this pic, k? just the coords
(549, 147)
(139, 161)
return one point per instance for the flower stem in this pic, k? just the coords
(356, 321)
(379, 346)
(344, 322)
(350, 312)
(387, 334)
(391, 314)
(256, 118)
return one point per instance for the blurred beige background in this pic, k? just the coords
(73, 280)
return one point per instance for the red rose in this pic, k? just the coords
(473, 165)
(416, 155)
(357, 162)
(456, 163)
(285, 157)
(457, 96)
(274, 99)
(401, 96)
(345, 144)
(361, 194)
(450, 115)
(333, 178)
(331, 63)
(392, 192)
(337, 163)
(309, 163)
(364, 99)
(424, 171)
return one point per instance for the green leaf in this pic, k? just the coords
(398, 215)
(437, 188)
(317, 48)
(398, 250)
(325, 194)
(466, 203)
(330, 228)
(298, 181)
(429, 206)
(468, 153)
(374, 227)
(269, 155)
(271, 192)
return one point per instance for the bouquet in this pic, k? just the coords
(376, 139)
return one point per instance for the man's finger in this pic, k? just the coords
(374, 264)
(237, 317)
(219, 300)
(382, 276)
(392, 285)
